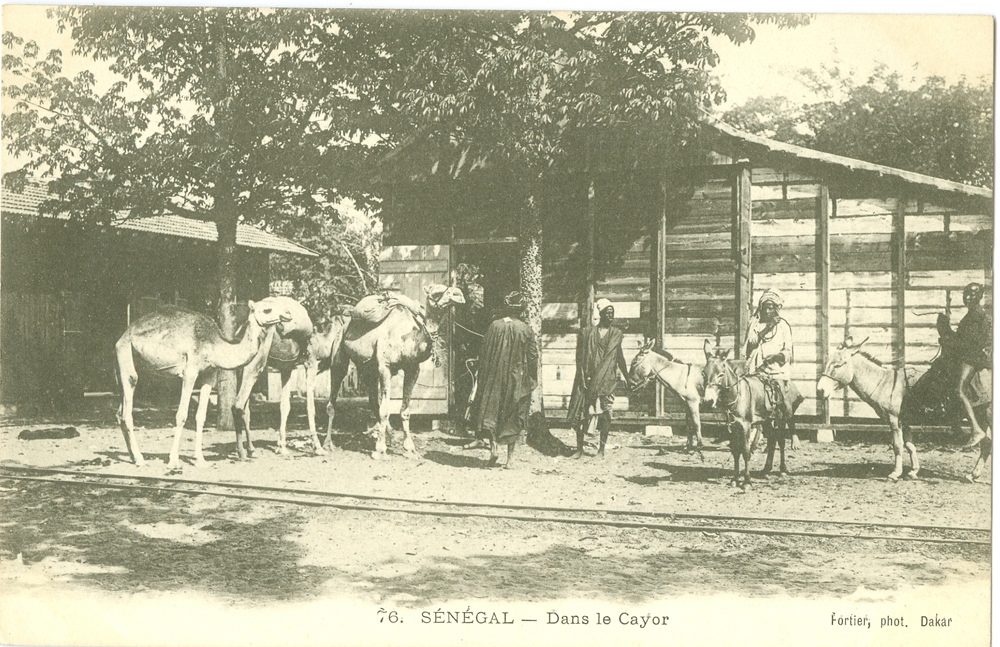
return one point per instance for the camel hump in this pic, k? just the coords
(374, 308)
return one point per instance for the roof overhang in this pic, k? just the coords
(848, 177)
(171, 225)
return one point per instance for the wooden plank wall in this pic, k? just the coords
(627, 286)
(700, 281)
(945, 250)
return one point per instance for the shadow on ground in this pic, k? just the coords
(247, 551)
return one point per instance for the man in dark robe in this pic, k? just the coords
(508, 373)
(598, 359)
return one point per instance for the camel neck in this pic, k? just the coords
(234, 355)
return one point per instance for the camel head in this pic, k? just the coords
(268, 312)
(440, 297)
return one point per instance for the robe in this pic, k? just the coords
(508, 373)
(597, 361)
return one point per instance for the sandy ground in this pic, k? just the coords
(85, 552)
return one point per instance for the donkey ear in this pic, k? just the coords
(847, 342)
(647, 343)
(708, 349)
(725, 353)
(858, 347)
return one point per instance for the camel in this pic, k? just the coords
(189, 345)
(386, 335)
(295, 344)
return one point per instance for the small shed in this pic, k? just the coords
(684, 249)
(69, 289)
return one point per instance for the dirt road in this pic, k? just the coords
(113, 545)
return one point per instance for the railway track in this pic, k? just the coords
(660, 521)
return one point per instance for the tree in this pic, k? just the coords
(531, 96)
(229, 115)
(932, 128)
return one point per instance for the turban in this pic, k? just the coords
(770, 296)
(514, 300)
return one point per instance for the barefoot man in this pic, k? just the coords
(508, 372)
(598, 359)
(971, 344)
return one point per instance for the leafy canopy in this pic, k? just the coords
(246, 106)
(932, 128)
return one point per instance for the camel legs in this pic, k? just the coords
(285, 407)
(382, 394)
(339, 364)
(187, 387)
(129, 378)
(410, 376)
(199, 422)
(312, 369)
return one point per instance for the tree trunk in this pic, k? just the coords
(531, 285)
(224, 213)
(227, 274)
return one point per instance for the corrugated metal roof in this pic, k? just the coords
(850, 164)
(27, 203)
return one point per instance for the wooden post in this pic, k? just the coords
(823, 286)
(589, 296)
(658, 293)
(898, 247)
(741, 248)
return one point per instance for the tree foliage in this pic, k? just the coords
(932, 127)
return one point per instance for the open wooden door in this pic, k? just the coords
(408, 269)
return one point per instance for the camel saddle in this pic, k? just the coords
(292, 341)
(374, 308)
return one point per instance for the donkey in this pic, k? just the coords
(745, 401)
(880, 387)
(679, 377)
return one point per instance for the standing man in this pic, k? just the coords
(598, 359)
(508, 373)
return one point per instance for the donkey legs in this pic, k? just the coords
(897, 448)
(694, 423)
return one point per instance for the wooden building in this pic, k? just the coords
(685, 250)
(68, 290)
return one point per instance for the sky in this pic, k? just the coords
(946, 45)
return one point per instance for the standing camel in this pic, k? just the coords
(386, 335)
(295, 344)
(189, 345)
(883, 388)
